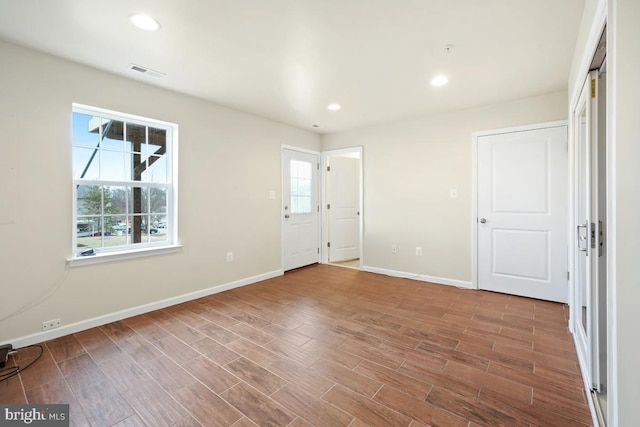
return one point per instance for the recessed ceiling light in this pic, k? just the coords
(144, 22)
(439, 80)
(334, 107)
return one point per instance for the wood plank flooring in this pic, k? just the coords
(324, 346)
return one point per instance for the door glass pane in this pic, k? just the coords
(583, 207)
(301, 187)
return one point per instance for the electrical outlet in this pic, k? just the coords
(229, 256)
(394, 249)
(51, 324)
(453, 193)
(418, 250)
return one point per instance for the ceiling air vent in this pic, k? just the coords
(145, 70)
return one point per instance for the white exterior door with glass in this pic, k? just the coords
(300, 210)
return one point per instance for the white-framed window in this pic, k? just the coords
(124, 183)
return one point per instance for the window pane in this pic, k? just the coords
(86, 163)
(88, 232)
(301, 186)
(138, 165)
(85, 133)
(118, 226)
(139, 229)
(158, 203)
(156, 170)
(88, 226)
(138, 200)
(89, 200)
(112, 135)
(112, 166)
(146, 224)
(115, 201)
(136, 138)
(157, 141)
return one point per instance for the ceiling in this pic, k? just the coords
(286, 60)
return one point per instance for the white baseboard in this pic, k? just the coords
(134, 311)
(420, 277)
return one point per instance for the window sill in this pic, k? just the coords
(100, 258)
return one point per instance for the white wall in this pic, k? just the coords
(624, 134)
(229, 161)
(409, 168)
(583, 43)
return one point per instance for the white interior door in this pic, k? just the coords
(343, 181)
(522, 213)
(301, 234)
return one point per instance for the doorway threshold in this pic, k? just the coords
(350, 263)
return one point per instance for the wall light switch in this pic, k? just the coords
(453, 193)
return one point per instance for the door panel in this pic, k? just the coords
(344, 200)
(301, 236)
(520, 176)
(590, 299)
(522, 182)
(521, 254)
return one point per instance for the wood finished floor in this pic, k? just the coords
(324, 346)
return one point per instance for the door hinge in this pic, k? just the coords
(328, 168)
(328, 244)
(318, 208)
(318, 250)
(593, 88)
(318, 166)
(568, 275)
(328, 206)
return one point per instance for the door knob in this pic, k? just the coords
(483, 220)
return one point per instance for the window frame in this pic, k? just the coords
(113, 253)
